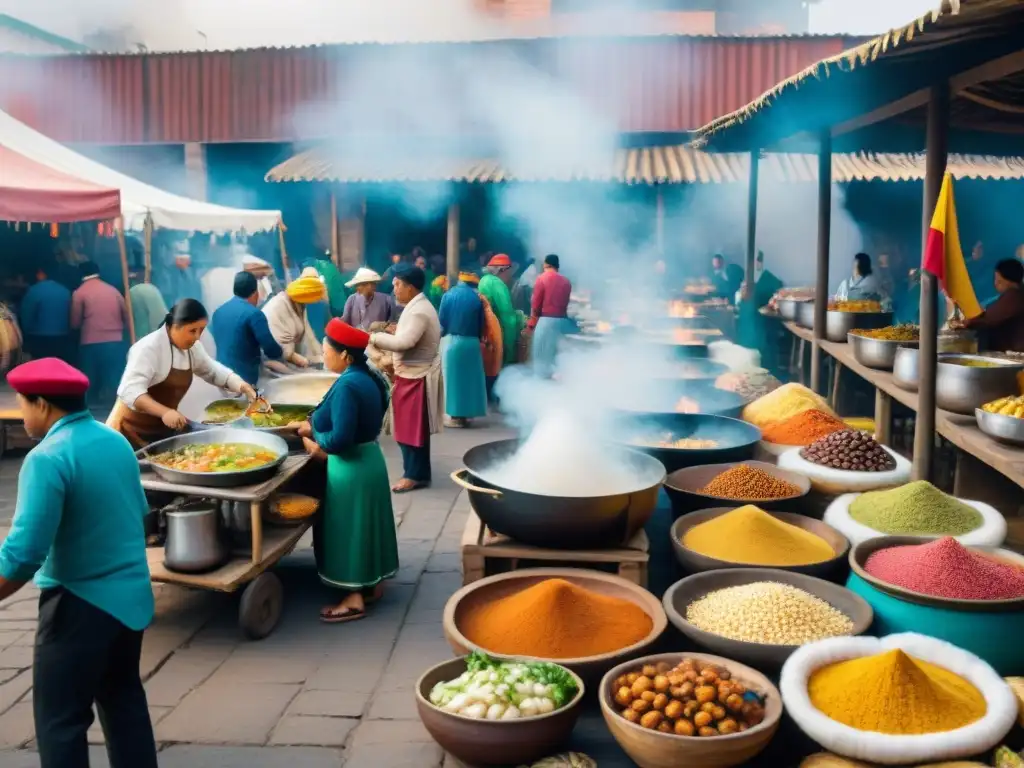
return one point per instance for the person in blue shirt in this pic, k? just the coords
(46, 318)
(79, 531)
(462, 364)
(354, 539)
(241, 332)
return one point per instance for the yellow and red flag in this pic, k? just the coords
(943, 256)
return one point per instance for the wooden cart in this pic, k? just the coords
(263, 597)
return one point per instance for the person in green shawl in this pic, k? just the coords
(148, 308)
(754, 331)
(421, 262)
(337, 293)
(494, 286)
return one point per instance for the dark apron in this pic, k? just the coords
(141, 429)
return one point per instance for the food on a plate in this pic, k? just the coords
(903, 332)
(749, 484)
(505, 690)
(768, 612)
(895, 693)
(555, 619)
(849, 450)
(803, 428)
(918, 509)
(691, 699)
(946, 568)
(783, 403)
(281, 415)
(665, 440)
(751, 536)
(1007, 406)
(215, 457)
(295, 506)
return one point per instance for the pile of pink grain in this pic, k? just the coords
(946, 568)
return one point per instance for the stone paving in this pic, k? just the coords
(310, 695)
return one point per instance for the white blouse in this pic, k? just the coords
(152, 357)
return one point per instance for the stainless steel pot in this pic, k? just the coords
(964, 388)
(904, 368)
(300, 389)
(805, 315)
(194, 543)
(236, 517)
(789, 308)
(876, 353)
(839, 324)
(1005, 429)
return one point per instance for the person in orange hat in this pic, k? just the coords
(78, 531)
(354, 540)
(494, 286)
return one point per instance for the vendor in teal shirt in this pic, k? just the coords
(78, 530)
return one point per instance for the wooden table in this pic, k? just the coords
(263, 598)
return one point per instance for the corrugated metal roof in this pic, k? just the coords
(679, 164)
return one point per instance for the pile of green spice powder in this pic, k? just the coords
(917, 508)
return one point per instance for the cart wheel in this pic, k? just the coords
(260, 609)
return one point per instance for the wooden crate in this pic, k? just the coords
(485, 553)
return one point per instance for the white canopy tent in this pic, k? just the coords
(139, 201)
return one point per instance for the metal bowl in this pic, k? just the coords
(999, 426)
(839, 324)
(667, 394)
(562, 522)
(217, 479)
(805, 315)
(300, 389)
(876, 353)
(904, 368)
(963, 388)
(245, 422)
(683, 488)
(789, 308)
(736, 440)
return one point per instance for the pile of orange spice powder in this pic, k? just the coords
(555, 619)
(804, 428)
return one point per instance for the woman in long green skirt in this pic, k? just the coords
(355, 541)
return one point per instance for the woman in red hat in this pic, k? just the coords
(355, 541)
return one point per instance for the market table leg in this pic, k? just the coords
(257, 531)
(883, 418)
(837, 372)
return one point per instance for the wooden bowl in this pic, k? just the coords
(589, 668)
(650, 749)
(860, 553)
(683, 487)
(493, 742)
(683, 593)
(833, 569)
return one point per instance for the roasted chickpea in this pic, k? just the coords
(688, 664)
(676, 693)
(631, 678)
(704, 694)
(684, 728)
(701, 719)
(624, 696)
(663, 667)
(649, 670)
(756, 715)
(648, 696)
(728, 726)
(676, 678)
(620, 681)
(664, 727)
(690, 675)
(734, 702)
(707, 730)
(724, 674)
(660, 701)
(642, 684)
(651, 720)
(718, 712)
(687, 689)
(744, 727)
(641, 706)
(632, 715)
(709, 707)
(690, 708)
(661, 684)
(674, 710)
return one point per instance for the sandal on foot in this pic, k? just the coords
(341, 615)
(415, 486)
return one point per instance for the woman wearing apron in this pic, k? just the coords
(160, 370)
(354, 540)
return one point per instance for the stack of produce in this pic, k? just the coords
(860, 305)
(784, 403)
(905, 332)
(946, 568)
(751, 536)
(804, 428)
(849, 450)
(556, 619)
(749, 385)
(895, 693)
(691, 699)
(749, 484)
(1007, 406)
(495, 690)
(767, 612)
(916, 509)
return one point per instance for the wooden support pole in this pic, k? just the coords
(755, 167)
(824, 237)
(284, 251)
(935, 169)
(452, 252)
(147, 249)
(124, 277)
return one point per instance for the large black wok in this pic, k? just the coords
(736, 440)
(561, 522)
(665, 396)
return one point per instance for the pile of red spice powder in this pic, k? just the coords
(802, 429)
(946, 568)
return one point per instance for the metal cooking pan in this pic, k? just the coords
(665, 396)
(736, 439)
(564, 522)
(244, 422)
(217, 479)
